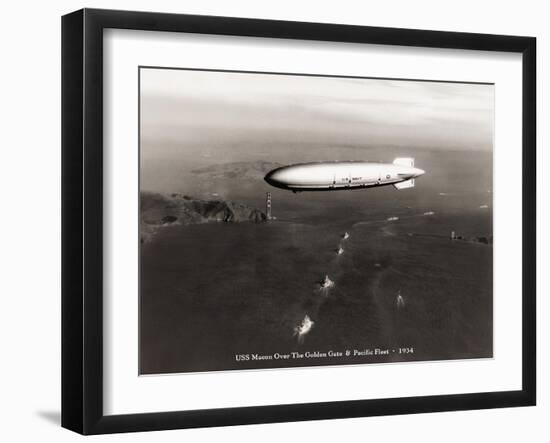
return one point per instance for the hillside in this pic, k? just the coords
(158, 210)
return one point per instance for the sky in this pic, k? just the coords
(216, 111)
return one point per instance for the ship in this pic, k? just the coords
(400, 302)
(327, 283)
(304, 327)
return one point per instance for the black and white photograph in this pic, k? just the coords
(291, 220)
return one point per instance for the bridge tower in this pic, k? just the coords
(268, 205)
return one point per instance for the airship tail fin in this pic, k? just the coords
(404, 185)
(404, 161)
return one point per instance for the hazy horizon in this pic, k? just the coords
(192, 119)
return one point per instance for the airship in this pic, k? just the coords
(342, 175)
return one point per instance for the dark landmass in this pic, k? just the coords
(158, 210)
(239, 170)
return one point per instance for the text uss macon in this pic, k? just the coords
(328, 354)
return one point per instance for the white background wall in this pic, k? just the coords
(30, 217)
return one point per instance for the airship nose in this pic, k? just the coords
(274, 178)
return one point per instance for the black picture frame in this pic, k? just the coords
(82, 218)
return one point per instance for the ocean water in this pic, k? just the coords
(213, 293)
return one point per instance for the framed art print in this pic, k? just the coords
(276, 221)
